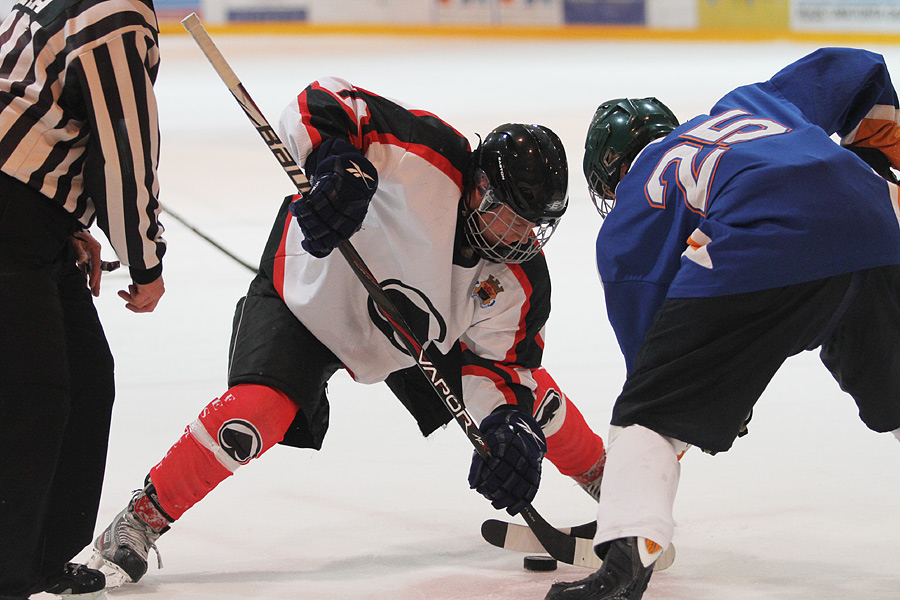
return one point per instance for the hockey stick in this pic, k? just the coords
(519, 538)
(215, 244)
(557, 544)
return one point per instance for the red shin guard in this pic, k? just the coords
(231, 431)
(572, 446)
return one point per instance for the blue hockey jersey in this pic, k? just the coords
(756, 194)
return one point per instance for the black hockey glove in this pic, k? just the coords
(510, 477)
(343, 183)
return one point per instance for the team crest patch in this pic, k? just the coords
(486, 291)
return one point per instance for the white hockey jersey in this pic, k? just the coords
(410, 240)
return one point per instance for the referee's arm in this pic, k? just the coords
(116, 80)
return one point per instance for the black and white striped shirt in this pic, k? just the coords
(78, 116)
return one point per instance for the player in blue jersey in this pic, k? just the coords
(731, 242)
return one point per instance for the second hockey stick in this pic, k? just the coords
(205, 237)
(558, 544)
(518, 538)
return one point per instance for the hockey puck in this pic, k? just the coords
(540, 563)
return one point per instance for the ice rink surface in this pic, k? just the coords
(805, 507)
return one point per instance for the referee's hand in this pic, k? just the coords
(143, 297)
(87, 258)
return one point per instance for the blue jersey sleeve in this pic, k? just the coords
(846, 91)
(837, 87)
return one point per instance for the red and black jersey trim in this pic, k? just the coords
(271, 264)
(527, 349)
(326, 114)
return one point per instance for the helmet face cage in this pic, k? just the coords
(605, 199)
(619, 130)
(498, 233)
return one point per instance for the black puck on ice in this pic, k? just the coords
(540, 563)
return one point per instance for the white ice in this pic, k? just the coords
(804, 507)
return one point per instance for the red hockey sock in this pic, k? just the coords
(572, 446)
(231, 431)
(575, 449)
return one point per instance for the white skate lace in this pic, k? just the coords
(139, 537)
(593, 489)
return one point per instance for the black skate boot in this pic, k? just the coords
(75, 579)
(122, 549)
(622, 577)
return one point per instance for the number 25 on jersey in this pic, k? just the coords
(694, 161)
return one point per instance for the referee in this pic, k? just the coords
(79, 145)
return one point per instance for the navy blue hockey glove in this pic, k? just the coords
(510, 477)
(343, 183)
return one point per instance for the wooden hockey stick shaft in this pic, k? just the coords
(195, 28)
(558, 544)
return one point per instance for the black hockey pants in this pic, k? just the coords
(56, 394)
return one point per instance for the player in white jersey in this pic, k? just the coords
(455, 236)
(736, 240)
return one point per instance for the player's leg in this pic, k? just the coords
(862, 352)
(638, 455)
(231, 431)
(278, 371)
(572, 446)
(682, 391)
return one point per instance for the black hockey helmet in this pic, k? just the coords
(527, 165)
(523, 167)
(619, 130)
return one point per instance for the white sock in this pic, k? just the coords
(638, 487)
(896, 433)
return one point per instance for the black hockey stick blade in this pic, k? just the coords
(514, 537)
(570, 545)
(519, 538)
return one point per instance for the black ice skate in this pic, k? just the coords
(622, 577)
(122, 549)
(76, 579)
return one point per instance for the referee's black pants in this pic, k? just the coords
(56, 394)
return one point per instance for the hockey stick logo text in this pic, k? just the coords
(451, 401)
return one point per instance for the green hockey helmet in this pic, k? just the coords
(619, 130)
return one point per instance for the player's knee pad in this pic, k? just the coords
(550, 404)
(230, 432)
(243, 423)
(572, 446)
